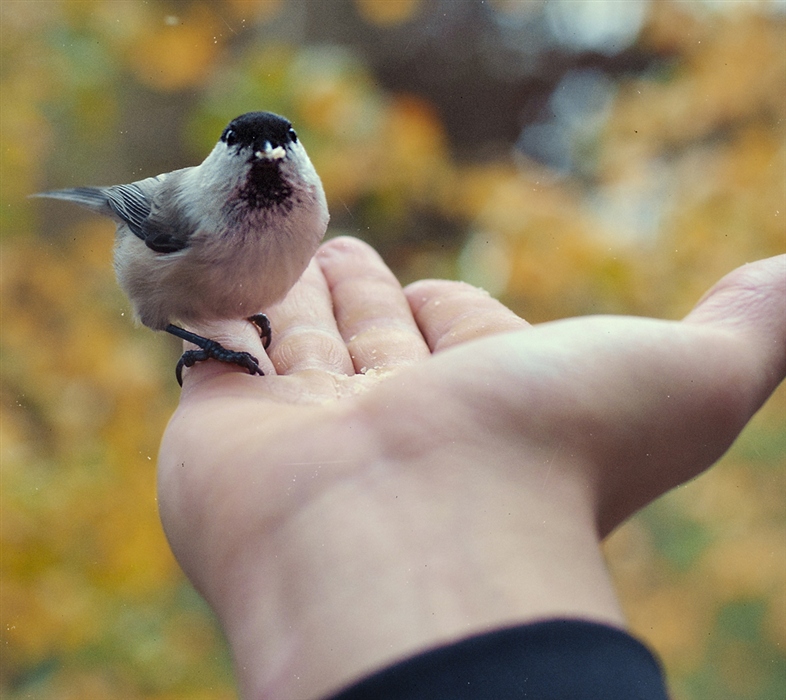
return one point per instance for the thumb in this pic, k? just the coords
(750, 302)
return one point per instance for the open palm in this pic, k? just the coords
(420, 464)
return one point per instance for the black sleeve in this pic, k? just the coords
(550, 660)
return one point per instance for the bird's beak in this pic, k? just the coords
(270, 153)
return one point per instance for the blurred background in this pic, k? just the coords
(572, 157)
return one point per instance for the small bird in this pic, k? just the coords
(221, 240)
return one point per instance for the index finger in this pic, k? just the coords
(371, 310)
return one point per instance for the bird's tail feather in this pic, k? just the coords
(91, 197)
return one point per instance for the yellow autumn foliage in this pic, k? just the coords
(177, 52)
(388, 12)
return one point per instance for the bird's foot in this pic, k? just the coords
(215, 351)
(210, 350)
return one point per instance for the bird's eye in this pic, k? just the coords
(230, 137)
(293, 135)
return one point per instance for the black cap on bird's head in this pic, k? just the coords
(265, 133)
(264, 141)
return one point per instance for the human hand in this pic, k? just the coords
(420, 464)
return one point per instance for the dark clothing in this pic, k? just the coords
(550, 660)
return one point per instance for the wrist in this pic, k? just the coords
(408, 553)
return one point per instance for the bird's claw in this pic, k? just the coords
(262, 322)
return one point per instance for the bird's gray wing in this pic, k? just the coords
(133, 205)
(130, 204)
(139, 205)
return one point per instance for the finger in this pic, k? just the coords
(372, 313)
(751, 303)
(449, 313)
(305, 335)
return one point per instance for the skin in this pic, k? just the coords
(421, 464)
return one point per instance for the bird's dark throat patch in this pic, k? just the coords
(266, 188)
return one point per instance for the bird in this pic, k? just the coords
(221, 240)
